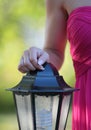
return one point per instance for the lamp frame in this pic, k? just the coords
(43, 83)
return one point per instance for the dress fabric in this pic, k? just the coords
(79, 36)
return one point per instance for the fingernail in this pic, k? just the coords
(40, 62)
(42, 68)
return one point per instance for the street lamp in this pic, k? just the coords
(42, 100)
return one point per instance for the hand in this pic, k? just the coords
(33, 59)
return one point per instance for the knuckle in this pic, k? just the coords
(32, 59)
(26, 64)
(46, 55)
(20, 66)
(26, 51)
(32, 48)
(33, 69)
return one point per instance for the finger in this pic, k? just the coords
(27, 62)
(34, 55)
(43, 58)
(21, 66)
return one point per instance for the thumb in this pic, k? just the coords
(43, 58)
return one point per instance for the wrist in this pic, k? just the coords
(55, 57)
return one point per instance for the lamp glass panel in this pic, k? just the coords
(46, 112)
(24, 111)
(64, 111)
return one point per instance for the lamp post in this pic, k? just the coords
(42, 100)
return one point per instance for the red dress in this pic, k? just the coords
(79, 36)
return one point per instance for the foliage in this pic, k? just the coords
(10, 121)
(14, 15)
(17, 20)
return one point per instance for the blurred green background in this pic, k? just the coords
(22, 25)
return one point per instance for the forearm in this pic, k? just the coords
(55, 41)
(55, 34)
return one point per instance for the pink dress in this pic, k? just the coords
(79, 36)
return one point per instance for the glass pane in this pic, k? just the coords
(46, 112)
(64, 111)
(55, 110)
(24, 108)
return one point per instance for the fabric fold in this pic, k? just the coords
(79, 36)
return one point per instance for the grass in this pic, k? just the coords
(9, 121)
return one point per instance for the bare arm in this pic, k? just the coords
(55, 40)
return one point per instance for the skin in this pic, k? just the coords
(57, 13)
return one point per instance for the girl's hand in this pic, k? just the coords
(33, 59)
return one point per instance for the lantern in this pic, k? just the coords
(42, 100)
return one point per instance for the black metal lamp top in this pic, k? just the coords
(42, 82)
